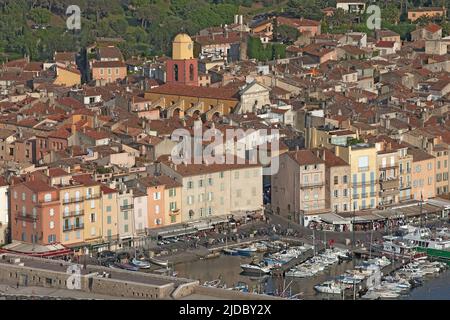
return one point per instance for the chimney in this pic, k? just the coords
(236, 19)
(241, 19)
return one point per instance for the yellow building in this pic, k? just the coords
(72, 214)
(108, 203)
(172, 202)
(93, 212)
(67, 77)
(363, 174)
(327, 137)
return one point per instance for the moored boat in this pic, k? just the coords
(254, 268)
(162, 263)
(141, 264)
(126, 266)
(246, 251)
(330, 287)
(230, 252)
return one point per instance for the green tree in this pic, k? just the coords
(391, 14)
(40, 16)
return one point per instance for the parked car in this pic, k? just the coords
(106, 254)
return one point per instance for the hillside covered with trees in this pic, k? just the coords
(37, 28)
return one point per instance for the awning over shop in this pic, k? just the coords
(333, 218)
(172, 231)
(178, 233)
(367, 218)
(36, 250)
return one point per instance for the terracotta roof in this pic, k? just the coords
(304, 157)
(198, 92)
(419, 155)
(330, 159)
(232, 37)
(106, 189)
(85, 179)
(296, 23)
(201, 169)
(432, 27)
(161, 180)
(109, 64)
(65, 56)
(34, 66)
(70, 102)
(38, 186)
(110, 53)
(385, 44)
(57, 172)
(96, 135)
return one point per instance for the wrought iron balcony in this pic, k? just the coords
(73, 227)
(74, 213)
(127, 207)
(73, 200)
(27, 217)
(306, 185)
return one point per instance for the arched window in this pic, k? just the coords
(175, 72)
(191, 72)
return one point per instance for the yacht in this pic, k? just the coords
(255, 268)
(246, 251)
(329, 287)
(435, 245)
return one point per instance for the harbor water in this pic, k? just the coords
(228, 270)
(436, 288)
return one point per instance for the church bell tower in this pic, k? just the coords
(183, 67)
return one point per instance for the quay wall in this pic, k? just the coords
(121, 288)
(30, 271)
(27, 276)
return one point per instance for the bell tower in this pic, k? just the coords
(183, 67)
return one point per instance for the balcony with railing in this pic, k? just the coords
(27, 217)
(74, 213)
(73, 200)
(363, 184)
(127, 207)
(68, 228)
(93, 196)
(388, 167)
(307, 185)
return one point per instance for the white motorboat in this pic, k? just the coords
(255, 268)
(330, 287)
